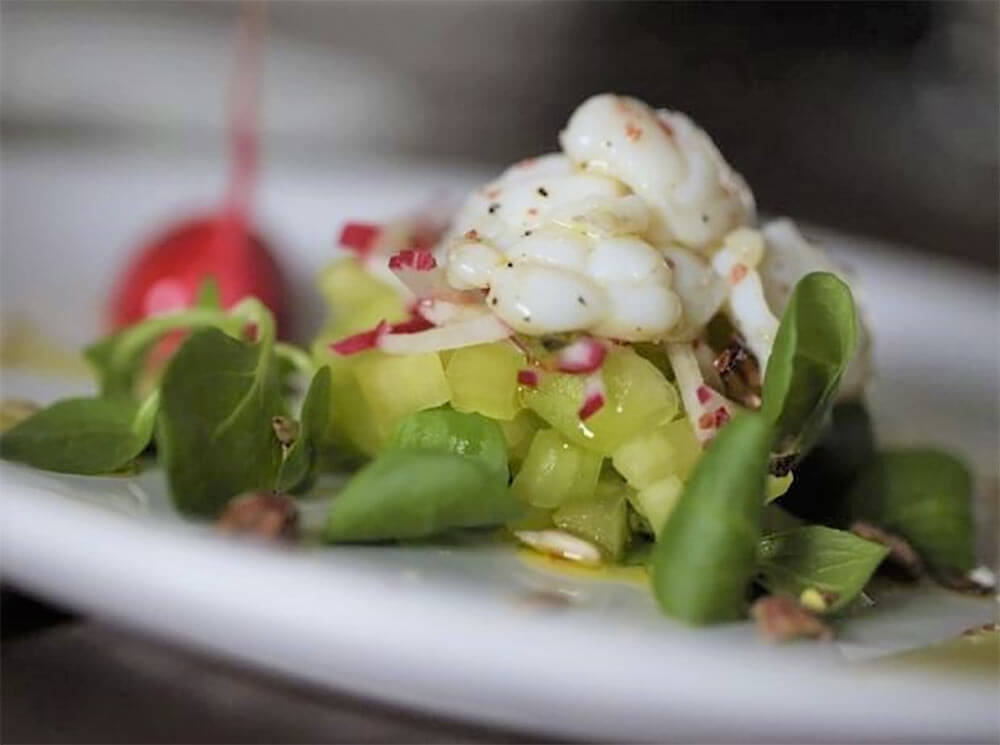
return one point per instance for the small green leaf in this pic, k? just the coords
(836, 563)
(925, 496)
(299, 464)
(417, 493)
(83, 435)
(706, 553)
(215, 436)
(208, 296)
(445, 430)
(118, 359)
(816, 339)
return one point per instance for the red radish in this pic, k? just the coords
(359, 237)
(417, 260)
(594, 397)
(420, 273)
(361, 342)
(583, 356)
(414, 325)
(528, 377)
(166, 273)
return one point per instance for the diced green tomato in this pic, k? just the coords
(396, 385)
(657, 354)
(638, 398)
(483, 379)
(775, 486)
(518, 432)
(349, 289)
(556, 471)
(602, 519)
(533, 518)
(670, 449)
(658, 500)
(353, 418)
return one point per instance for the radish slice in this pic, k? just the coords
(594, 396)
(414, 325)
(359, 237)
(360, 342)
(419, 271)
(528, 377)
(483, 329)
(462, 307)
(583, 356)
(706, 408)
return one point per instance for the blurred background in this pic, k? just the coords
(873, 118)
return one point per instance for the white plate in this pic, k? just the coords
(474, 631)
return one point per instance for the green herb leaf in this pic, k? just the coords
(706, 554)
(215, 435)
(444, 430)
(118, 359)
(299, 464)
(836, 563)
(925, 496)
(83, 435)
(418, 493)
(208, 297)
(815, 341)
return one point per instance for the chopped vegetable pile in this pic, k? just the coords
(600, 356)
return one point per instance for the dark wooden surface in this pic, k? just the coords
(67, 679)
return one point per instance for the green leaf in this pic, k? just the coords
(83, 435)
(444, 430)
(925, 496)
(215, 435)
(415, 494)
(208, 296)
(836, 563)
(706, 554)
(299, 464)
(118, 359)
(815, 341)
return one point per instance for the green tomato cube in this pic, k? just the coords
(670, 449)
(556, 471)
(518, 433)
(775, 486)
(483, 379)
(394, 386)
(602, 519)
(658, 500)
(638, 398)
(352, 292)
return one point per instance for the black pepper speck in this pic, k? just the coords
(543, 191)
(494, 207)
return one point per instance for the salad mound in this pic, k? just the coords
(603, 354)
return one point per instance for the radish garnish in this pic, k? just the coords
(482, 329)
(706, 408)
(360, 342)
(594, 396)
(359, 237)
(419, 271)
(528, 377)
(419, 260)
(583, 356)
(459, 307)
(416, 324)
